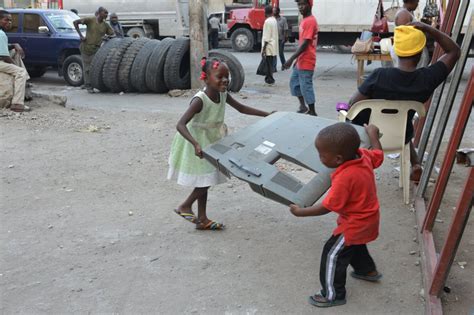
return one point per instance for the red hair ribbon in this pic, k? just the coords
(215, 65)
(203, 61)
(203, 76)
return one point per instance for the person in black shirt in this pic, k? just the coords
(406, 82)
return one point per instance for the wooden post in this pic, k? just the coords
(198, 39)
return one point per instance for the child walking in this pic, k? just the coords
(353, 196)
(201, 125)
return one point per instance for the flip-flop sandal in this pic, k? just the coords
(375, 278)
(320, 301)
(190, 217)
(212, 226)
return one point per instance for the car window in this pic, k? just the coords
(31, 22)
(14, 28)
(63, 21)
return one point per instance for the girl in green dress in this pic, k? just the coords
(200, 126)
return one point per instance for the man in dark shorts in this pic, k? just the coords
(406, 82)
(96, 29)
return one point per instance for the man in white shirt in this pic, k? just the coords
(269, 43)
(214, 23)
(7, 65)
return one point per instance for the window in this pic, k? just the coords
(14, 28)
(31, 22)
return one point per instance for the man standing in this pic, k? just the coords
(214, 32)
(116, 26)
(301, 82)
(269, 43)
(282, 35)
(96, 29)
(7, 65)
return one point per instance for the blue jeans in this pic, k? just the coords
(301, 84)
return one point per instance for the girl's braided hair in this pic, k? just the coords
(207, 64)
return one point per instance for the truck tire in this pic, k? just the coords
(136, 32)
(237, 73)
(138, 72)
(155, 78)
(72, 70)
(177, 65)
(112, 63)
(36, 72)
(242, 40)
(127, 62)
(97, 65)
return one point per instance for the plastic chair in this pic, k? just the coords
(391, 118)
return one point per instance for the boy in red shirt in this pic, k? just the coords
(353, 196)
(301, 81)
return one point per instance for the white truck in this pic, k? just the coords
(142, 18)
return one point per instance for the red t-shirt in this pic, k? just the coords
(308, 30)
(353, 195)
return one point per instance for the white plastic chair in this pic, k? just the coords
(391, 118)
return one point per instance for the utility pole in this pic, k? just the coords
(198, 39)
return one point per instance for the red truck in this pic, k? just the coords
(244, 25)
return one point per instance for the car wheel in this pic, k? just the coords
(136, 32)
(242, 40)
(72, 70)
(36, 72)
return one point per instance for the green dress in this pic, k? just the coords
(206, 127)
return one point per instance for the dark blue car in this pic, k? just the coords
(49, 39)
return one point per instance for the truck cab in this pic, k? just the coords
(49, 39)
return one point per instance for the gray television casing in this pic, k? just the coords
(249, 154)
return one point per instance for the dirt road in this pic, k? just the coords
(87, 224)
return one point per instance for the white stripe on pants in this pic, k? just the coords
(331, 268)
(20, 75)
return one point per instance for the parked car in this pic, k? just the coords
(49, 39)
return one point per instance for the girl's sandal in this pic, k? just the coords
(190, 217)
(320, 301)
(211, 225)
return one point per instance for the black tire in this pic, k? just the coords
(242, 40)
(127, 62)
(138, 72)
(237, 73)
(36, 71)
(112, 63)
(136, 32)
(73, 71)
(155, 78)
(97, 65)
(177, 65)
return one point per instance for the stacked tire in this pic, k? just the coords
(149, 65)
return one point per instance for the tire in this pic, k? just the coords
(138, 72)
(73, 71)
(155, 78)
(127, 62)
(36, 72)
(136, 32)
(242, 40)
(97, 65)
(237, 73)
(177, 65)
(112, 63)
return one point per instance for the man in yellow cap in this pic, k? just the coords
(406, 82)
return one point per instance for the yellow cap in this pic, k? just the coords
(408, 41)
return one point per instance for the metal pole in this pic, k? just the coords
(456, 137)
(455, 232)
(198, 39)
(438, 136)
